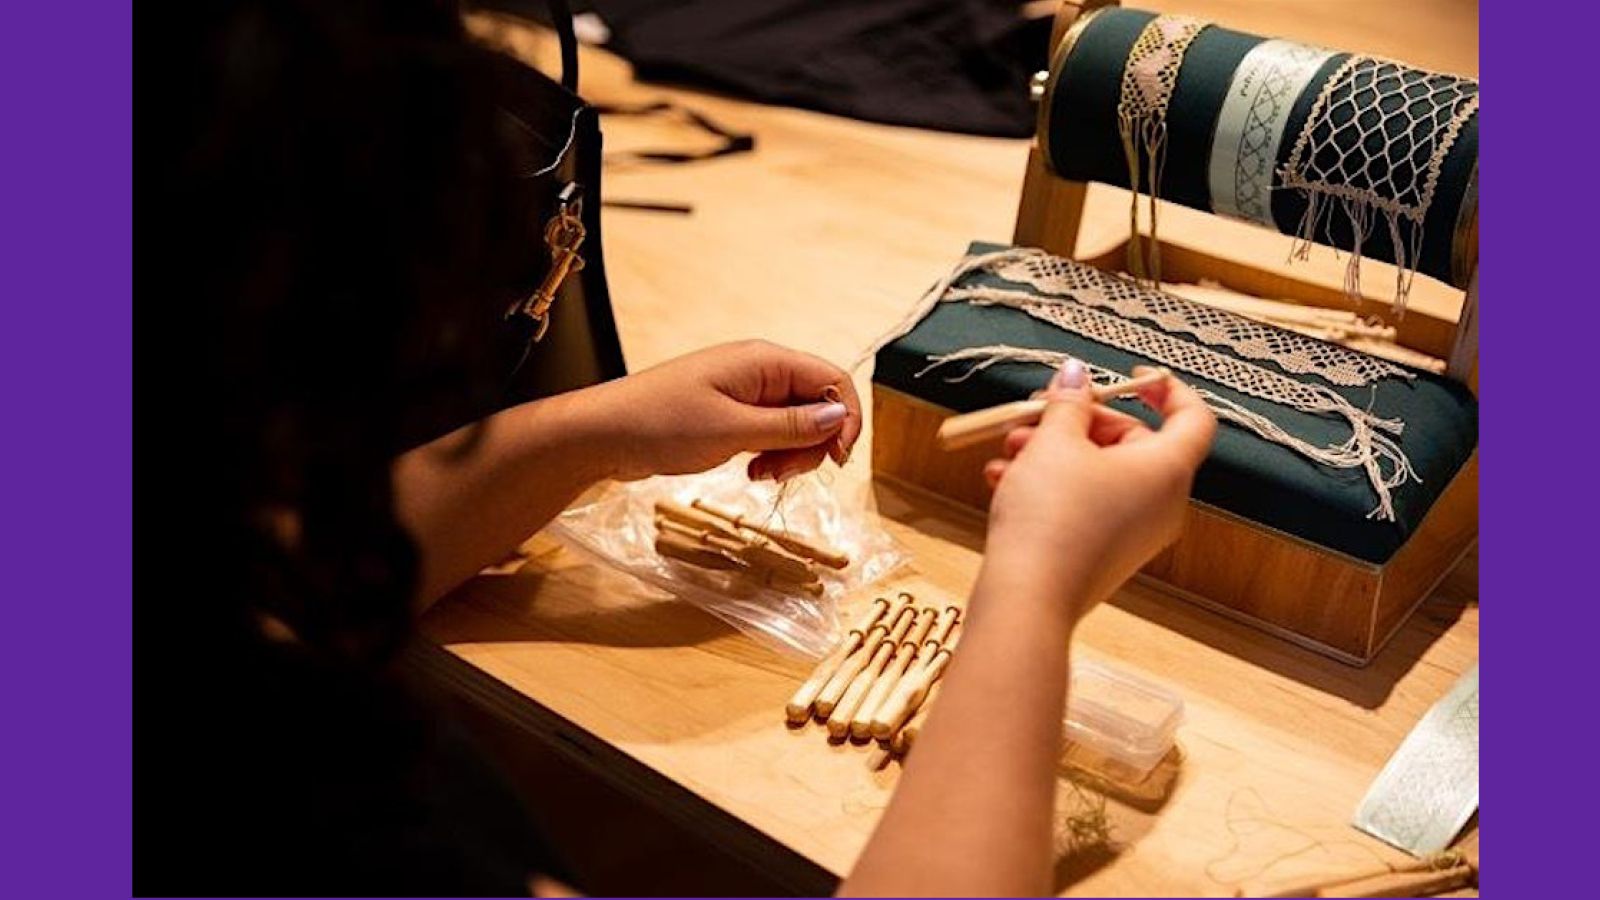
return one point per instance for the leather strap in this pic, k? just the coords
(561, 21)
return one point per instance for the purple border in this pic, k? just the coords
(66, 88)
(1537, 502)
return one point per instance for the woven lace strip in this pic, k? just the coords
(1369, 446)
(1250, 126)
(1297, 353)
(1344, 457)
(1148, 79)
(1373, 147)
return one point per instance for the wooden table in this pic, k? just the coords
(820, 240)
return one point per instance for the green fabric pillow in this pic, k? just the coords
(1245, 475)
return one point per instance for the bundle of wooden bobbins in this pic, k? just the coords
(710, 537)
(877, 683)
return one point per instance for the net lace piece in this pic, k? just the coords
(1372, 445)
(1148, 79)
(1372, 149)
(1247, 337)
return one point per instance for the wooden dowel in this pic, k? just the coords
(1397, 353)
(699, 521)
(1260, 308)
(943, 628)
(829, 696)
(767, 567)
(878, 758)
(910, 694)
(779, 582)
(1409, 884)
(976, 427)
(684, 550)
(714, 540)
(899, 664)
(767, 558)
(904, 739)
(850, 701)
(799, 706)
(830, 558)
(1447, 861)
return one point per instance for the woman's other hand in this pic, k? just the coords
(697, 411)
(1090, 494)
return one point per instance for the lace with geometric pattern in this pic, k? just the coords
(980, 358)
(1370, 446)
(1294, 352)
(1373, 148)
(1148, 78)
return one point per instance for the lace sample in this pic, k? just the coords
(980, 358)
(1148, 79)
(1371, 446)
(1251, 125)
(1372, 148)
(1247, 337)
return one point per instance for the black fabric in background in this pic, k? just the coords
(950, 65)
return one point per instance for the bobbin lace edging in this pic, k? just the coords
(1149, 77)
(1297, 353)
(1373, 147)
(1370, 447)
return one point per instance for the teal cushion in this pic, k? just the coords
(1245, 475)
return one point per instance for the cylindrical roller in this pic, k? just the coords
(1241, 105)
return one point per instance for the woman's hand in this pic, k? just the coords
(1090, 494)
(697, 411)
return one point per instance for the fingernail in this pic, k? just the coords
(1071, 376)
(830, 415)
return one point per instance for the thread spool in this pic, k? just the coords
(1238, 108)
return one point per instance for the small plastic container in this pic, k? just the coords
(1118, 725)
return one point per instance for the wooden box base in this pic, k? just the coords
(1332, 603)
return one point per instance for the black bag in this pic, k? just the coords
(561, 335)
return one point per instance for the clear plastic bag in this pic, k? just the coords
(618, 528)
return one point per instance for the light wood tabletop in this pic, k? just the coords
(821, 239)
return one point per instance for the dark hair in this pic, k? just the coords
(337, 228)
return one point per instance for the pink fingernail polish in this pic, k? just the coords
(831, 415)
(1071, 376)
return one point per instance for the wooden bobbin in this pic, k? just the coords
(981, 425)
(909, 694)
(850, 701)
(798, 709)
(682, 549)
(830, 558)
(942, 629)
(906, 737)
(839, 682)
(694, 519)
(899, 664)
